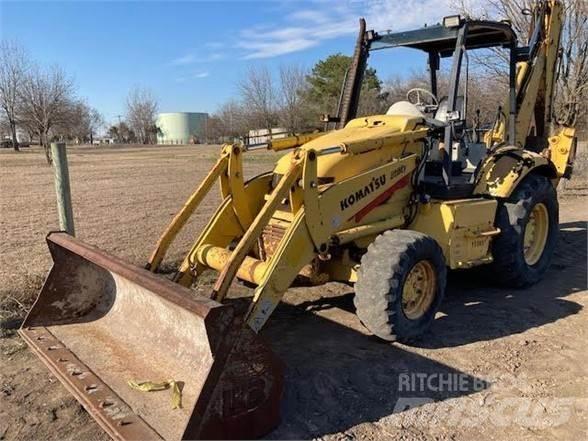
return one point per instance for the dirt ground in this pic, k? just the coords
(498, 364)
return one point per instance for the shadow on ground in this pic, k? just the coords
(474, 312)
(338, 377)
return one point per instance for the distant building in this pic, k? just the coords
(23, 139)
(103, 140)
(181, 127)
(21, 136)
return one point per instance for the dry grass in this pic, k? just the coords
(123, 198)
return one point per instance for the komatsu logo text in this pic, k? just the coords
(375, 184)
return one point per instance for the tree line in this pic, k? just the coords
(294, 98)
(41, 102)
(140, 122)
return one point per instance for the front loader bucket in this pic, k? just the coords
(99, 323)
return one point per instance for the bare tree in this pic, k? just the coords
(373, 102)
(572, 85)
(231, 120)
(46, 97)
(95, 122)
(397, 86)
(81, 123)
(571, 92)
(13, 70)
(141, 115)
(215, 129)
(258, 95)
(292, 113)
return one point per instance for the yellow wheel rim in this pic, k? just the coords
(419, 290)
(536, 232)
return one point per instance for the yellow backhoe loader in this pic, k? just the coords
(386, 203)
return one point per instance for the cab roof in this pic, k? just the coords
(442, 39)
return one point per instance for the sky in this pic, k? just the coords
(192, 54)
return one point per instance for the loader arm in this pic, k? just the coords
(229, 169)
(316, 216)
(187, 210)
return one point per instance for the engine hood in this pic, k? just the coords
(374, 132)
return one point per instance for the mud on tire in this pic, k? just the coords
(381, 279)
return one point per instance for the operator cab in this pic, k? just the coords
(454, 149)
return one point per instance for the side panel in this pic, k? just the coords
(372, 196)
(463, 228)
(504, 169)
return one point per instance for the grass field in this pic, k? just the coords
(123, 199)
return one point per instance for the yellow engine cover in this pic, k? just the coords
(367, 142)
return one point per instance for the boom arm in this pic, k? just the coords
(535, 78)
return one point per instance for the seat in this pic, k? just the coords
(405, 108)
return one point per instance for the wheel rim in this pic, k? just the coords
(419, 290)
(536, 232)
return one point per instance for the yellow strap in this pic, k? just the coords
(153, 386)
(176, 395)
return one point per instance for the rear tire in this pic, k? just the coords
(529, 225)
(387, 305)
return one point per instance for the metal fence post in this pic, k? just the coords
(62, 189)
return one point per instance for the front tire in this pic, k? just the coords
(529, 225)
(400, 285)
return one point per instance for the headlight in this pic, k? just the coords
(451, 21)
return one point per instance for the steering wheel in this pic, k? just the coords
(413, 96)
